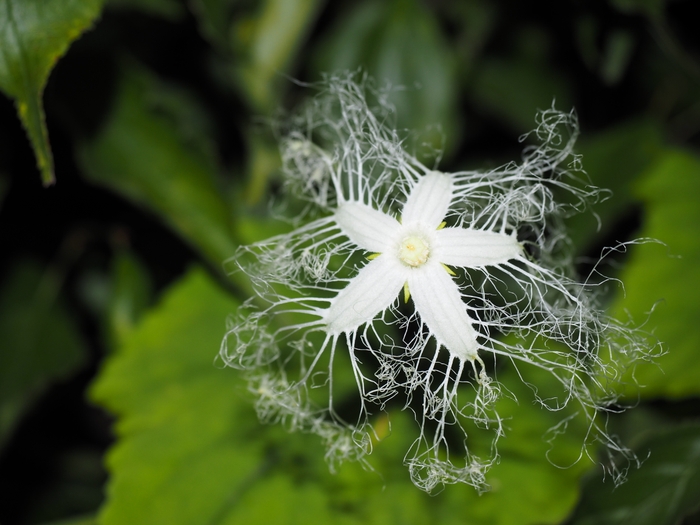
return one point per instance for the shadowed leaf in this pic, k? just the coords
(38, 342)
(143, 151)
(400, 46)
(661, 492)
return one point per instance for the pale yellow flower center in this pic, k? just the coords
(414, 250)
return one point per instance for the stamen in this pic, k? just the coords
(414, 250)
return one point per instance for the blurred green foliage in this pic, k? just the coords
(399, 44)
(663, 491)
(142, 152)
(659, 275)
(39, 340)
(161, 125)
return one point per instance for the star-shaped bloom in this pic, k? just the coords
(327, 325)
(415, 254)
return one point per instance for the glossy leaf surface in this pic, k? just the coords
(34, 34)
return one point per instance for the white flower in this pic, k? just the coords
(481, 260)
(414, 254)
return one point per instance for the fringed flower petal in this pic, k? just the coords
(474, 248)
(440, 306)
(368, 228)
(429, 200)
(371, 291)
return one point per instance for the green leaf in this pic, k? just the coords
(474, 22)
(267, 44)
(38, 342)
(618, 53)
(129, 298)
(190, 449)
(513, 90)
(514, 87)
(215, 19)
(666, 276)
(654, 9)
(171, 10)
(661, 492)
(34, 34)
(263, 163)
(400, 45)
(614, 160)
(151, 151)
(175, 461)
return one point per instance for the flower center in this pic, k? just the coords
(414, 250)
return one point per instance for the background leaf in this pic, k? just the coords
(399, 44)
(174, 437)
(129, 297)
(650, 8)
(142, 153)
(661, 276)
(661, 492)
(614, 160)
(267, 43)
(169, 9)
(513, 89)
(215, 19)
(34, 34)
(38, 341)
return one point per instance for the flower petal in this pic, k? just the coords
(472, 248)
(368, 293)
(439, 304)
(370, 229)
(429, 200)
